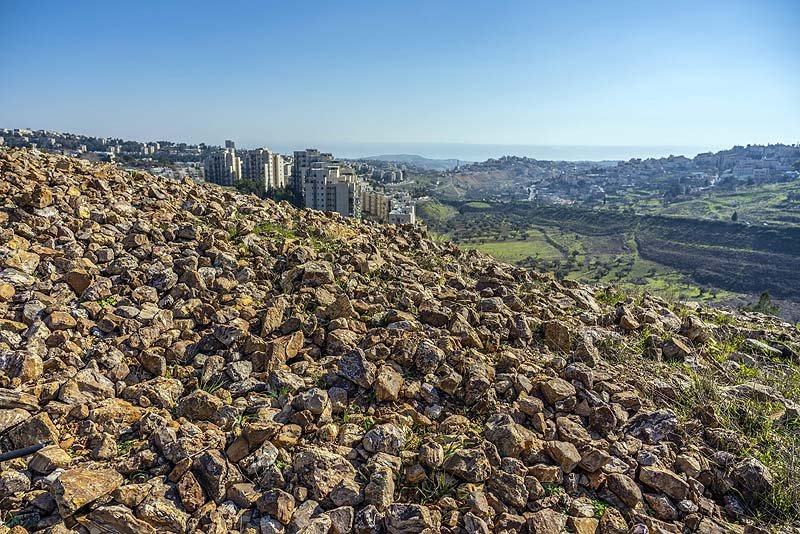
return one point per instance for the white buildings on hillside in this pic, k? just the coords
(332, 186)
(319, 182)
(264, 168)
(301, 166)
(223, 167)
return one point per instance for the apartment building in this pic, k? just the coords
(257, 168)
(331, 186)
(223, 167)
(288, 164)
(277, 172)
(403, 215)
(375, 206)
(301, 166)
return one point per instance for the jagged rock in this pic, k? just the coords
(38, 429)
(475, 525)
(557, 335)
(411, 518)
(161, 391)
(21, 260)
(59, 320)
(199, 405)
(564, 454)
(753, 478)
(368, 520)
(462, 330)
(470, 465)
(428, 357)
(259, 462)
(318, 525)
(676, 349)
(625, 488)
(273, 317)
(216, 474)
(434, 315)
(321, 471)
(665, 481)
(342, 519)
(7, 291)
(379, 492)
(304, 515)
(12, 482)
(627, 321)
(510, 488)
(388, 383)
(695, 329)
(593, 459)
(243, 494)
(431, 455)
(278, 504)
(603, 419)
(116, 518)
(315, 400)
(654, 427)
(75, 488)
(510, 438)
(661, 506)
(557, 389)
(79, 280)
(612, 522)
(386, 438)
(191, 492)
(356, 368)
(340, 308)
(547, 521)
(317, 273)
(270, 525)
(759, 347)
(163, 514)
(583, 525)
(48, 459)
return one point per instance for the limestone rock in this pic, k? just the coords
(75, 488)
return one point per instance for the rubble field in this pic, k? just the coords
(179, 357)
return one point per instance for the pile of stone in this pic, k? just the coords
(199, 360)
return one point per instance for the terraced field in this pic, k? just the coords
(672, 256)
(773, 204)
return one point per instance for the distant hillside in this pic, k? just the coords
(418, 161)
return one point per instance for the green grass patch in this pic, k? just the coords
(478, 205)
(273, 230)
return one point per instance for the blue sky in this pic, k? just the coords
(698, 73)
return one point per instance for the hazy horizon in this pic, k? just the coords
(470, 152)
(621, 73)
(467, 152)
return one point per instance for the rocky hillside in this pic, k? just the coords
(191, 359)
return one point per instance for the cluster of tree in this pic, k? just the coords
(764, 305)
(278, 194)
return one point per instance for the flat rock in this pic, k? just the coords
(75, 488)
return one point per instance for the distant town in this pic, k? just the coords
(389, 190)
(307, 178)
(594, 183)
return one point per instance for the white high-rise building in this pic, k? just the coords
(278, 172)
(257, 167)
(223, 167)
(331, 186)
(264, 168)
(301, 166)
